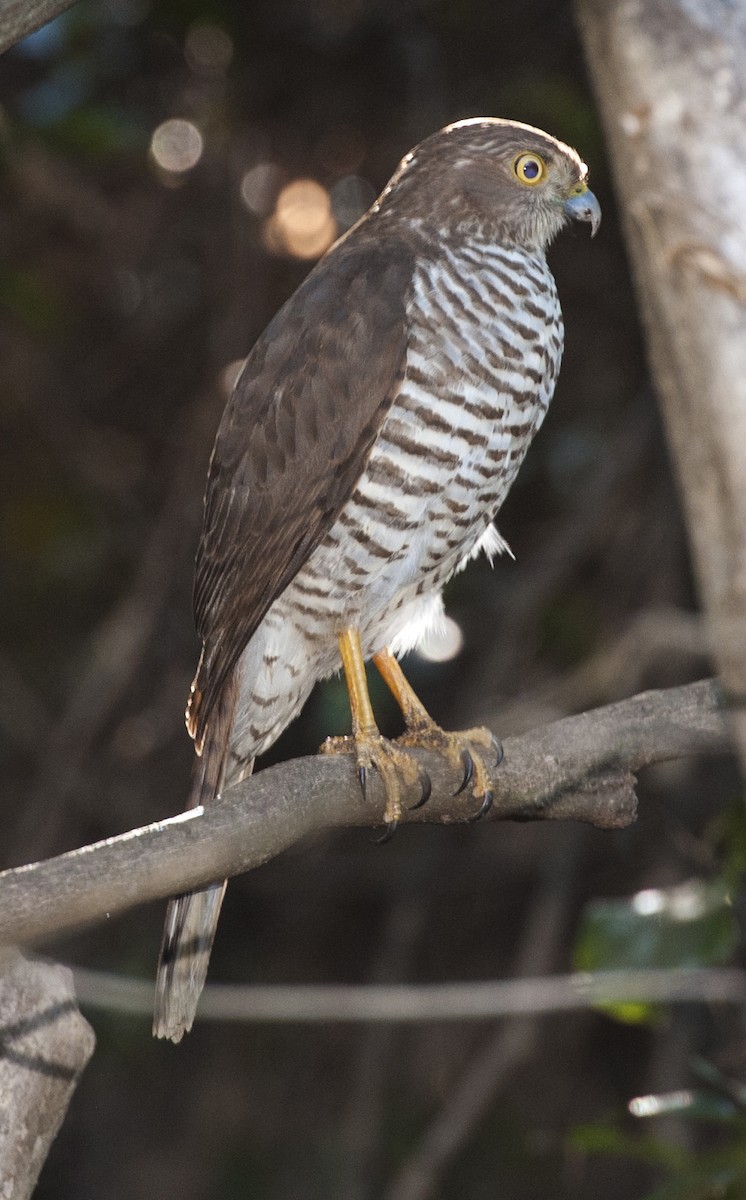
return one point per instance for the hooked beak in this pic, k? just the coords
(583, 206)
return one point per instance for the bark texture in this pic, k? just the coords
(580, 768)
(18, 18)
(671, 82)
(44, 1045)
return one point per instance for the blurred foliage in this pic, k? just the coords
(728, 834)
(690, 925)
(718, 1174)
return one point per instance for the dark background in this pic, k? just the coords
(127, 291)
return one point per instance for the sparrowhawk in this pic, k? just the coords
(373, 433)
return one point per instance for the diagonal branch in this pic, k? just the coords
(18, 18)
(579, 768)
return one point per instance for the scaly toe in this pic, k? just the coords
(340, 744)
(469, 750)
(397, 768)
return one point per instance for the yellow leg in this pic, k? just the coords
(363, 720)
(412, 709)
(394, 765)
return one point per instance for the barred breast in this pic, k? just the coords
(482, 362)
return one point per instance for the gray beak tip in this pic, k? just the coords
(585, 207)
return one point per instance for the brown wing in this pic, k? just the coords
(293, 441)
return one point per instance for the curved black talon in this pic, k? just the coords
(484, 809)
(497, 746)
(468, 762)
(426, 787)
(362, 776)
(388, 833)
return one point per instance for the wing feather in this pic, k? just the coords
(293, 442)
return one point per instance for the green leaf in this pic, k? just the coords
(690, 925)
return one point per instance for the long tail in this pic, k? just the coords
(192, 919)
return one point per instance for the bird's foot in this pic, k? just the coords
(469, 750)
(397, 768)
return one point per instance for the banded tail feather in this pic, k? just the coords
(191, 919)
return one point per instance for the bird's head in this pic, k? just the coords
(500, 178)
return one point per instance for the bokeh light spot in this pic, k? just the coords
(302, 223)
(654, 1106)
(442, 644)
(176, 146)
(648, 902)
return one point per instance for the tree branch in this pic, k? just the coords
(579, 768)
(21, 17)
(417, 1003)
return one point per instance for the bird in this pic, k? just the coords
(371, 437)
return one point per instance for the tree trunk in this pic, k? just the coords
(671, 82)
(44, 1046)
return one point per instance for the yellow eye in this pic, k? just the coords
(529, 169)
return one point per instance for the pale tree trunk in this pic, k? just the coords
(671, 82)
(44, 1046)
